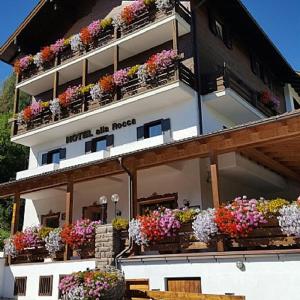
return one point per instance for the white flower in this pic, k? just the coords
(289, 220)
(76, 43)
(9, 248)
(135, 233)
(53, 242)
(55, 107)
(163, 5)
(76, 293)
(95, 92)
(20, 119)
(37, 59)
(204, 225)
(143, 74)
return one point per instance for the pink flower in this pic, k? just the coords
(94, 28)
(58, 46)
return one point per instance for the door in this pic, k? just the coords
(184, 285)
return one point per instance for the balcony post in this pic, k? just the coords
(134, 194)
(116, 67)
(14, 128)
(214, 170)
(85, 68)
(55, 84)
(175, 34)
(69, 214)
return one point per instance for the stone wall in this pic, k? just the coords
(107, 245)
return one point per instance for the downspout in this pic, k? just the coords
(196, 60)
(130, 201)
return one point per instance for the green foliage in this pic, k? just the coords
(7, 96)
(4, 234)
(120, 223)
(13, 157)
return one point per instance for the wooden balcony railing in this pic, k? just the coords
(225, 78)
(267, 237)
(175, 72)
(110, 35)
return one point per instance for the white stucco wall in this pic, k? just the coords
(2, 267)
(264, 278)
(34, 271)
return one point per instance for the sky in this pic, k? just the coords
(279, 19)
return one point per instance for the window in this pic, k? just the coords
(20, 286)
(153, 129)
(51, 220)
(45, 285)
(54, 156)
(99, 144)
(95, 213)
(220, 29)
(261, 71)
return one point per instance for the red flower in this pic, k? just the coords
(19, 241)
(226, 222)
(107, 84)
(27, 114)
(127, 14)
(63, 99)
(17, 67)
(85, 36)
(47, 54)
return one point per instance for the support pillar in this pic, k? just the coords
(55, 84)
(69, 214)
(85, 69)
(14, 127)
(214, 170)
(134, 194)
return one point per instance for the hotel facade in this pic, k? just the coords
(217, 119)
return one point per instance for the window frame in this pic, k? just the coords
(50, 292)
(16, 293)
(147, 127)
(46, 158)
(98, 139)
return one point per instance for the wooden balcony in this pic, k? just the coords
(177, 80)
(150, 29)
(215, 87)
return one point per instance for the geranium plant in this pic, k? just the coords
(270, 100)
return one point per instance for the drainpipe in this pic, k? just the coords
(130, 201)
(195, 6)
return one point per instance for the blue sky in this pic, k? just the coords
(280, 19)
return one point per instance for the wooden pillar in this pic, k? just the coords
(216, 191)
(14, 127)
(55, 84)
(69, 213)
(15, 214)
(85, 69)
(175, 34)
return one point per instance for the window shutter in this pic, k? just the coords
(140, 133)
(44, 158)
(88, 147)
(228, 37)
(110, 140)
(166, 125)
(212, 22)
(253, 64)
(62, 153)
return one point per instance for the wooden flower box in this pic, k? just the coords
(269, 236)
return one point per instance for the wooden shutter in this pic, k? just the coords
(184, 285)
(212, 22)
(88, 147)
(45, 285)
(227, 37)
(166, 125)
(20, 286)
(62, 153)
(140, 133)
(110, 140)
(44, 158)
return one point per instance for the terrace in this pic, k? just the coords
(252, 160)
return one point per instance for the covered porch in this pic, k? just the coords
(258, 159)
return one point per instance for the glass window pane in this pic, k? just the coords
(55, 157)
(101, 145)
(155, 130)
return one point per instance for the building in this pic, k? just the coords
(219, 121)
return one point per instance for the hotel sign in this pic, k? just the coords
(101, 130)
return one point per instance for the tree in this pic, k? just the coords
(13, 157)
